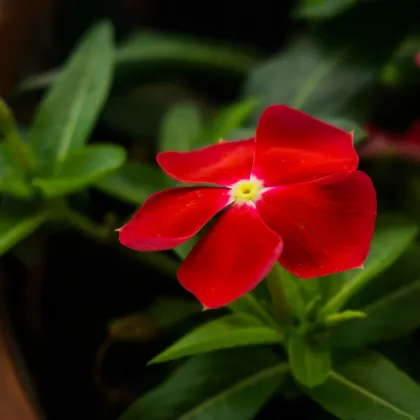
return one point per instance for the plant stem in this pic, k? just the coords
(278, 297)
(85, 225)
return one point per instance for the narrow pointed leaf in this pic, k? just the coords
(285, 284)
(369, 387)
(390, 316)
(249, 304)
(12, 179)
(234, 330)
(226, 385)
(310, 363)
(387, 245)
(22, 156)
(322, 9)
(144, 55)
(340, 318)
(181, 128)
(69, 110)
(228, 120)
(17, 221)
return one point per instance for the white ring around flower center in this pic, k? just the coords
(246, 191)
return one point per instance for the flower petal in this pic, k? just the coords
(326, 225)
(223, 163)
(293, 147)
(171, 217)
(231, 258)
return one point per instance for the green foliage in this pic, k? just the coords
(234, 330)
(81, 169)
(285, 290)
(17, 221)
(322, 9)
(133, 182)
(22, 156)
(308, 77)
(389, 316)
(236, 362)
(220, 385)
(12, 179)
(180, 128)
(387, 245)
(310, 362)
(402, 69)
(331, 70)
(145, 54)
(369, 387)
(249, 304)
(340, 318)
(228, 120)
(67, 114)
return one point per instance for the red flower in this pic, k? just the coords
(291, 194)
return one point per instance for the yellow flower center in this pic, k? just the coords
(246, 191)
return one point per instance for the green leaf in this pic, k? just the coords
(310, 362)
(82, 168)
(228, 119)
(17, 221)
(7, 123)
(387, 245)
(155, 49)
(340, 318)
(180, 128)
(184, 249)
(133, 182)
(21, 155)
(369, 387)
(331, 71)
(309, 78)
(402, 69)
(322, 9)
(240, 134)
(347, 125)
(284, 289)
(225, 385)
(249, 304)
(69, 111)
(400, 273)
(148, 55)
(388, 317)
(233, 330)
(12, 179)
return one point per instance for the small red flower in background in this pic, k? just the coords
(417, 59)
(383, 143)
(292, 194)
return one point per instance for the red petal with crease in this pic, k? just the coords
(293, 147)
(223, 163)
(326, 225)
(171, 217)
(231, 258)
